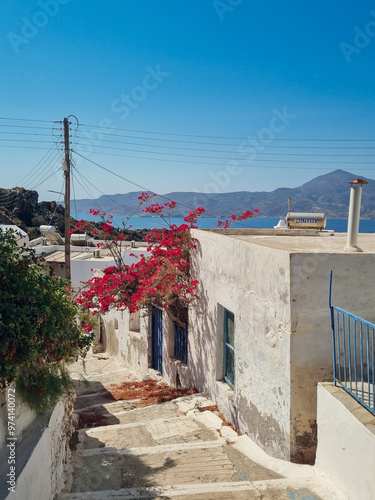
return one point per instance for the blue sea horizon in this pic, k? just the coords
(136, 222)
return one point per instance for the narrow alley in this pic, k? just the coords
(179, 449)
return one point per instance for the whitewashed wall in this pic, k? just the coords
(40, 455)
(311, 345)
(253, 283)
(125, 335)
(346, 443)
(282, 331)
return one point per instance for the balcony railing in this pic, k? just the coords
(353, 341)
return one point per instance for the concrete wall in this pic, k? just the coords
(125, 335)
(24, 416)
(253, 283)
(282, 330)
(311, 344)
(279, 298)
(346, 443)
(40, 456)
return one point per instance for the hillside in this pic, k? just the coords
(20, 206)
(327, 193)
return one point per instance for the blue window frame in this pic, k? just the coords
(180, 343)
(228, 372)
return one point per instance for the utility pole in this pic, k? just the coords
(66, 169)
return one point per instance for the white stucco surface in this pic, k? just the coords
(346, 442)
(277, 289)
(40, 458)
(23, 415)
(125, 336)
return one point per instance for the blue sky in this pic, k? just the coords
(153, 82)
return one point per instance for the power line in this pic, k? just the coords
(128, 209)
(25, 126)
(228, 137)
(219, 151)
(181, 141)
(50, 153)
(25, 140)
(145, 188)
(26, 120)
(228, 158)
(22, 147)
(190, 162)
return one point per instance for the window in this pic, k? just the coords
(228, 347)
(180, 343)
(134, 322)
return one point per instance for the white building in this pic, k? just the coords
(259, 337)
(22, 236)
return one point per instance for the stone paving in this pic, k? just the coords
(172, 451)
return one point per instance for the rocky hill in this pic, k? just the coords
(327, 193)
(21, 207)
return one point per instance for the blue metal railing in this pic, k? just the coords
(353, 342)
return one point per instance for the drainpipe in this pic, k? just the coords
(354, 213)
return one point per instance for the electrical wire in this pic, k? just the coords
(57, 203)
(128, 209)
(230, 158)
(228, 137)
(149, 190)
(26, 120)
(221, 165)
(181, 141)
(223, 151)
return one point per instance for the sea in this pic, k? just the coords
(336, 225)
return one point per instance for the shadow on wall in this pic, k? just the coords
(205, 360)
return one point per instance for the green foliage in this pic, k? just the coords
(38, 326)
(38, 220)
(40, 387)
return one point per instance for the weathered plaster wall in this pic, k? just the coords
(41, 455)
(24, 416)
(346, 443)
(125, 336)
(253, 283)
(311, 344)
(175, 373)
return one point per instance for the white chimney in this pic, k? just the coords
(354, 213)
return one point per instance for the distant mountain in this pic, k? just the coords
(327, 193)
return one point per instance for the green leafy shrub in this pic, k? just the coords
(39, 330)
(40, 387)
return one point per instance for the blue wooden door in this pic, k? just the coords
(157, 339)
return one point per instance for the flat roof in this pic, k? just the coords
(293, 241)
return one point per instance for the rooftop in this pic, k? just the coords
(301, 241)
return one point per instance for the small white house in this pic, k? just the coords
(22, 236)
(259, 338)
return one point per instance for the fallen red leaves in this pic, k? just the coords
(149, 392)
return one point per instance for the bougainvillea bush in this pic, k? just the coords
(39, 330)
(161, 278)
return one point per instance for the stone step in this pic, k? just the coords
(195, 462)
(127, 412)
(274, 489)
(152, 433)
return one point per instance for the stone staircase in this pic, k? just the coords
(174, 451)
